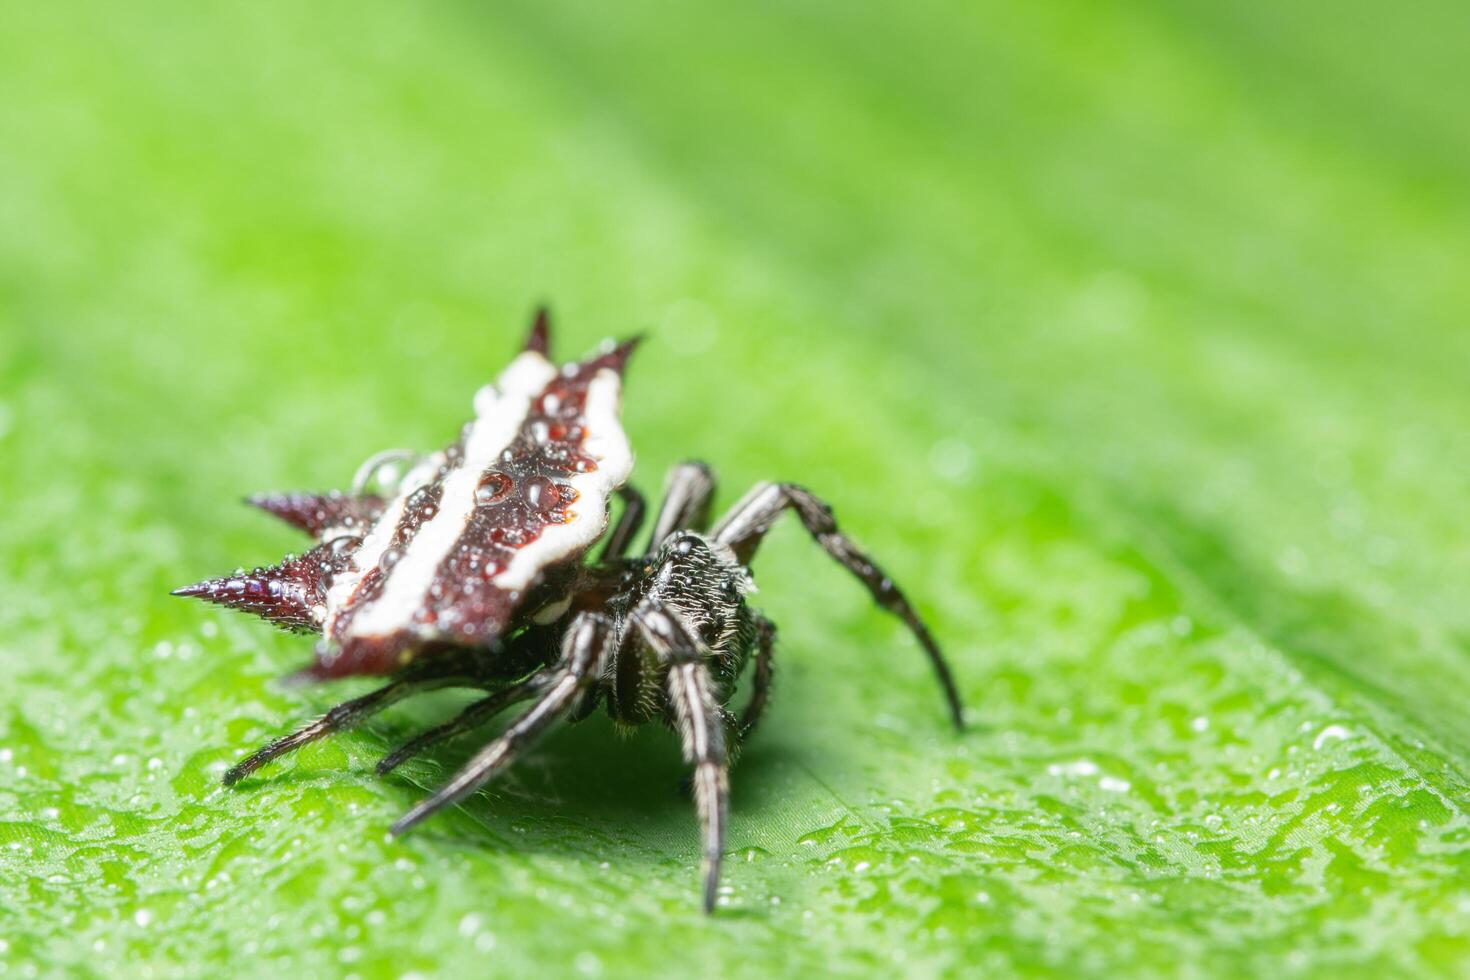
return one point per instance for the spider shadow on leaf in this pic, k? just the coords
(584, 783)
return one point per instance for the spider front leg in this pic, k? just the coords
(687, 496)
(426, 677)
(629, 523)
(765, 665)
(560, 687)
(701, 728)
(743, 529)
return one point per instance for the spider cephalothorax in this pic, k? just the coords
(470, 570)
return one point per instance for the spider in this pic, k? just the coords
(470, 570)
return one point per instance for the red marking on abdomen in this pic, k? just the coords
(528, 494)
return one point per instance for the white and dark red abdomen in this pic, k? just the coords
(466, 537)
(527, 487)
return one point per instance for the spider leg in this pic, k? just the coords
(761, 681)
(746, 525)
(687, 496)
(467, 720)
(629, 522)
(701, 728)
(349, 713)
(561, 688)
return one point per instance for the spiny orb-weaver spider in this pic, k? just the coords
(469, 571)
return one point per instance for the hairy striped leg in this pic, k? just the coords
(701, 728)
(765, 665)
(628, 525)
(416, 680)
(472, 717)
(686, 503)
(746, 526)
(561, 687)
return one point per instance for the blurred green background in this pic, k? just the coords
(1132, 337)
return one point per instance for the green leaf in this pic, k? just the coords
(1132, 339)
